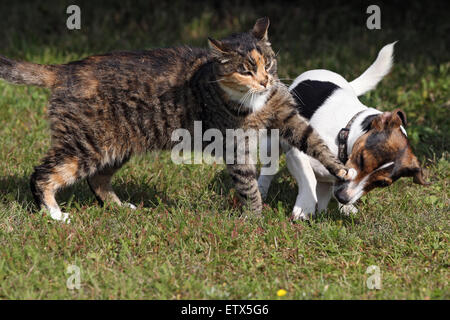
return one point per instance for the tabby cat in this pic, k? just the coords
(105, 108)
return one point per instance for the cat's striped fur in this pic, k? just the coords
(106, 108)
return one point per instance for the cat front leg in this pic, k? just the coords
(244, 179)
(300, 134)
(241, 159)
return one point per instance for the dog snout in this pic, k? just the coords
(342, 197)
(341, 194)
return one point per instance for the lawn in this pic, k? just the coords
(187, 240)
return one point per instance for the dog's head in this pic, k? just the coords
(380, 156)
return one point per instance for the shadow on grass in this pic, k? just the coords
(15, 188)
(282, 192)
(285, 192)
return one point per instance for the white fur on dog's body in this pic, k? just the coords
(314, 181)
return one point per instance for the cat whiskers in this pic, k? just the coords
(251, 98)
(217, 80)
(298, 97)
(245, 98)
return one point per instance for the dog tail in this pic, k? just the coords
(21, 72)
(381, 67)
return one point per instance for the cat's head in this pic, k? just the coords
(245, 62)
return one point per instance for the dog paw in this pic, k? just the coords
(348, 209)
(303, 210)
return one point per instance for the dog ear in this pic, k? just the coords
(402, 115)
(390, 119)
(260, 29)
(380, 122)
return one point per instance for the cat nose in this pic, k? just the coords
(264, 82)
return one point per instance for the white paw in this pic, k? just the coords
(56, 214)
(303, 210)
(352, 173)
(66, 218)
(130, 205)
(348, 209)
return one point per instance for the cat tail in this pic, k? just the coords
(381, 67)
(22, 72)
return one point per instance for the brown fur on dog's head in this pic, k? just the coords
(380, 156)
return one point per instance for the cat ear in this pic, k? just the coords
(260, 29)
(216, 45)
(219, 50)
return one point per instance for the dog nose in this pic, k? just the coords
(342, 196)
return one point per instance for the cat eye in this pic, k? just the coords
(252, 63)
(269, 65)
(244, 71)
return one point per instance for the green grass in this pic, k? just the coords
(186, 240)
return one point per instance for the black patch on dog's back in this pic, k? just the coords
(311, 94)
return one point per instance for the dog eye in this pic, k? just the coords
(361, 161)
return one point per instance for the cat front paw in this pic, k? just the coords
(346, 174)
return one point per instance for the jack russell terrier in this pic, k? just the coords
(372, 142)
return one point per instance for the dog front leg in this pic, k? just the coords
(268, 169)
(324, 191)
(300, 167)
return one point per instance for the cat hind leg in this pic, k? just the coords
(56, 171)
(100, 184)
